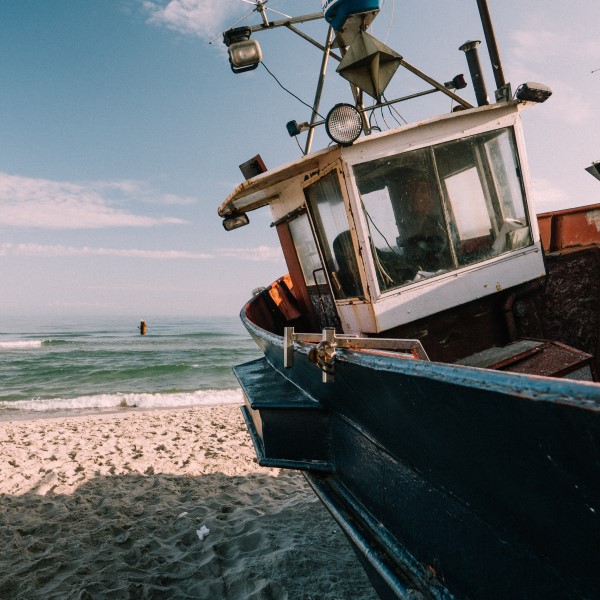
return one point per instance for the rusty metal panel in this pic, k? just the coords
(552, 359)
(545, 226)
(570, 228)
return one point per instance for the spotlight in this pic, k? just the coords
(533, 92)
(231, 223)
(343, 124)
(458, 83)
(244, 54)
(294, 128)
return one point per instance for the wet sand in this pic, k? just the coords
(161, 504)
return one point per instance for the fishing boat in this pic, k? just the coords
(431, 356)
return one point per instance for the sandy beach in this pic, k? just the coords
(161, 504)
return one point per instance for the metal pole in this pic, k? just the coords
(311, 41)
(260, 7)
(382, 105)
(286, 22)
(357, 93)
(435, 84)
(315, 111)
(490, 41)
(470, 50)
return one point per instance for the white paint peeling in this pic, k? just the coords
(593, 218)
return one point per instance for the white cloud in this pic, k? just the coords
(260, 254)
(556, 59)
(548, 197)
(42, 203)
(570, 105)
(542, 45)
(534, 45)
(204, 18)
(173, 199)
(8, 249)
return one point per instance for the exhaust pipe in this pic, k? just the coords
(470, 49)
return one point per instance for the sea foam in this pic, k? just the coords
(21, 344)
(107, 401)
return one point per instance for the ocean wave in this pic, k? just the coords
(56, 342)
(21, 344)
(107, 401)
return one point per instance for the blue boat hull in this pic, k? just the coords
(450, 482)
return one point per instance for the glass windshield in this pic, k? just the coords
(481, 180)
(308, 255)
(436, 209)
(329, 215)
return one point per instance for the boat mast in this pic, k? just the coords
(319, 92)
(492, 46)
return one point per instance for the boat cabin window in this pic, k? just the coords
(326, 205)
(435, 209)
(308, 255)
(313, 271)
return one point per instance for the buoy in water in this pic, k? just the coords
(142, 328)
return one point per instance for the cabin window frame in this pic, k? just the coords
(487, 175)
(327, 259)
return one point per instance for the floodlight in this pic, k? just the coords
(533, 92)
(231, 223)
(343, 124)
(244, 54)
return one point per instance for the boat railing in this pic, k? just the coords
(324, 354)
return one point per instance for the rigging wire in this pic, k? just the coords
(256, 8)
(392, 107)
(383, 117)
(231, 27)
(393, 115)
(379, 231)
(384, 274)
(263, 4)
(373, 115)
(288, 91)
(391, 21)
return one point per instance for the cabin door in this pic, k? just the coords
(313, 271)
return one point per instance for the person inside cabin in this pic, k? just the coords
(421, 246)
(423, 236)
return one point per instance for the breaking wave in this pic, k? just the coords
(137, 400)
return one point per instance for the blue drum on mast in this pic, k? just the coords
(337, 11)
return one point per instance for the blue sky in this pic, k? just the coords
(122, 128)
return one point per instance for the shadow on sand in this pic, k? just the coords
(135, 536)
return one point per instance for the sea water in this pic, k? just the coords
(76, 364)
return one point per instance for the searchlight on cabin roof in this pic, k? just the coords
(344, 124)
(533, 92)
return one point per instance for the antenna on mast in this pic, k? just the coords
(260, 6)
